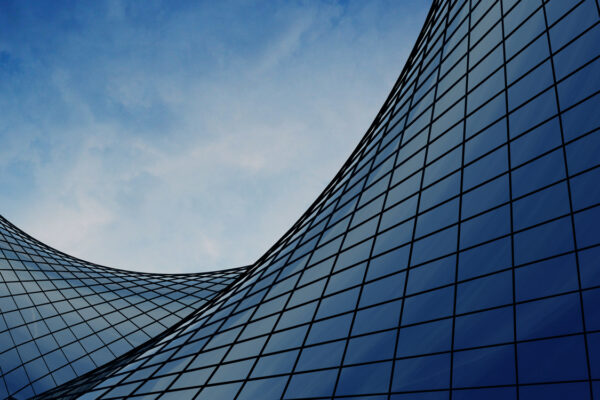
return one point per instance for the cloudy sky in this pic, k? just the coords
(176, 136)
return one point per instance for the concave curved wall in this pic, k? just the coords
(455, 254)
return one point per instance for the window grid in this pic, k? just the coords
(463, 203)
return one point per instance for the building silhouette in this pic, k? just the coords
(456, 254)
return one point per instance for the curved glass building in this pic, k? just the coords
(63, 317)
(456, 254)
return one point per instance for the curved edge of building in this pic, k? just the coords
(63, 317)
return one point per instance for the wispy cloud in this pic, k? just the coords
(175, 136)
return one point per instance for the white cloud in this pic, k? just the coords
(173, 162)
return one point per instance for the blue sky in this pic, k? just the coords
(176, 136)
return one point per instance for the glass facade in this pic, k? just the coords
(62, 317)
(456, 255)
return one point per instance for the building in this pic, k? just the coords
(63, 317)
(455, 255)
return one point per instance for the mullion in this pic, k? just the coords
(460, 200)
(511, 198)
(572, 218)
(422, 177)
